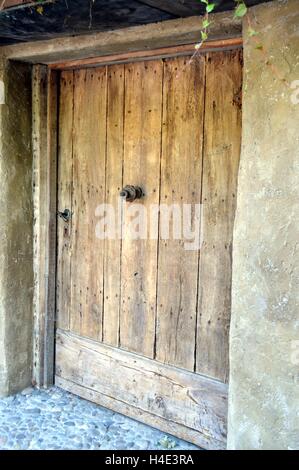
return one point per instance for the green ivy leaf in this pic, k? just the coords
(205, 23)
(204, 35)
(210, 7)
(241, 10)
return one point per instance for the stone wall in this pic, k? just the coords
(264, 339)
(16, 222)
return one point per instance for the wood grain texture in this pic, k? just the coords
(11, 3)
(51, 242)
(87, 252)
(142, 143)
(141, 38)
(142, 387)
(114, 183)
(198, 438)
(172, 127)
(64, 198)
(157, 53)
(39, 141)
(222, 137)
(44, 132)
(183, 106)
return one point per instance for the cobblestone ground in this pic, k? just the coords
(55, 419)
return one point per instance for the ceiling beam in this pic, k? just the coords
(9, 3)
(175, 7)
(16, 4)
(135, 38)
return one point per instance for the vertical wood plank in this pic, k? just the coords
(114, 167)
(44, 131)
(51, 243)
(64, 199)
(183, 106)
(39, 143)
(221, 162)
(89, 150)
(142, 140)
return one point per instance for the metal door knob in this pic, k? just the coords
(130, 193)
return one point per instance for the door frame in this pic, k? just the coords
(44, 145)
(45, 99)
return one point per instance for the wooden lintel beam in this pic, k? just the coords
(187, 49)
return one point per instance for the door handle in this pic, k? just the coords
(65, 215)
(130, 193)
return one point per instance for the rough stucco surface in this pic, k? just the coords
(264, 341)
(16, 221)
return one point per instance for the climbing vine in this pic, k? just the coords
(240, 11)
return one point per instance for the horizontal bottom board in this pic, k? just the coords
(185, 404)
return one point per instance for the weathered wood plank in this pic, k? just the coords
(142, 141)
(89, 150)
(180, 184)
(145, 37)
(158, 53)
(143, 416)
(184, 403)
(64, 196)
(222, 137)
(51, 244)
(114, 168)
(11, 3)
(39, 144)
(44, 126)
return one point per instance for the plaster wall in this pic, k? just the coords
(264, 335)
(16, 222)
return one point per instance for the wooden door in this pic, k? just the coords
(143, 324)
